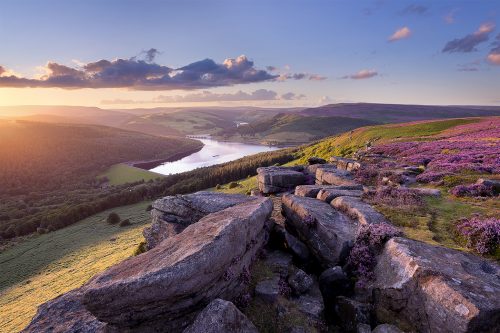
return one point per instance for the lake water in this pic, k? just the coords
(213, 152)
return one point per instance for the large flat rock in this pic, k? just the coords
(358, 209)
(166, 286)
(172, 214)
(276, 179)
(221, 316)
(328, 174)
(331, 234)
(425, 288)
(64, 314)
(312, 191)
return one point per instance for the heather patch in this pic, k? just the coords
(395, 197)
(481, 234)
(368, 244)
(473, 190)
(467, 148)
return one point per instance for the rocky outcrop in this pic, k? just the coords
(316, 160)
(328, 233)
(172, 214)
(276, 179)
(221, 316)
(289, 242)
(359, 210)
(351, 313)
(425, 288)
(312, 191)
(345, 163)
(328, 174)
(63, 314)
(166, 286)
(327, 195)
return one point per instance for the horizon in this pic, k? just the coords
(249, 54)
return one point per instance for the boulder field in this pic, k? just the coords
(233, 263)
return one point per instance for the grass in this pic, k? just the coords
(45, 266)
(244, 186)
(121, 173)
(349, 142)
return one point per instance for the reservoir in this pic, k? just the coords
(213, 152)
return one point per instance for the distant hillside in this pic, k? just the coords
(191, 121)
(65, 114)
(398, 113)
(48, 171)
(294, 128)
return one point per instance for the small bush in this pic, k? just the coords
(113, 218)
(482, 235)
(474, 190)
(218, 187)
(149, 208)
(141, 248)
(396, 197)
(125, 223)
(233, 184)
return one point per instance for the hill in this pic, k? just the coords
(293, 129)
(48, 171)
(45, 266)
(400, 113)
(452, 155)
(65, 114)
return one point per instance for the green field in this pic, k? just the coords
(45, 266)
(122, 173)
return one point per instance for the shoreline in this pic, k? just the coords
(150, 164)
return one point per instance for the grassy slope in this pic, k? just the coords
(46, 266)
(434, 223)
(122, 173)
(347, 143)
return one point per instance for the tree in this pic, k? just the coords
(113, 218)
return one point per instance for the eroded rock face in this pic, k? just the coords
(425, 288)
(328, 234)
(165, 287)
(221, 316)
(64, 314)
(172, 214)
(311, 191)
(359, 210)
(276, 179)
(328, 174)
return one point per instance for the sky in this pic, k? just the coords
(131, 53)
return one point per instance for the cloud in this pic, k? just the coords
(469, 42)
(316, 77)
(470, 66)
(414, 9)
(144, 74)
(401, 33)
(271, 68)
(450, 17)
(362, 74)
(292, 96)
(324, 100)
(301, 76)
(494, 55)
(208, 96)
(2, 70)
